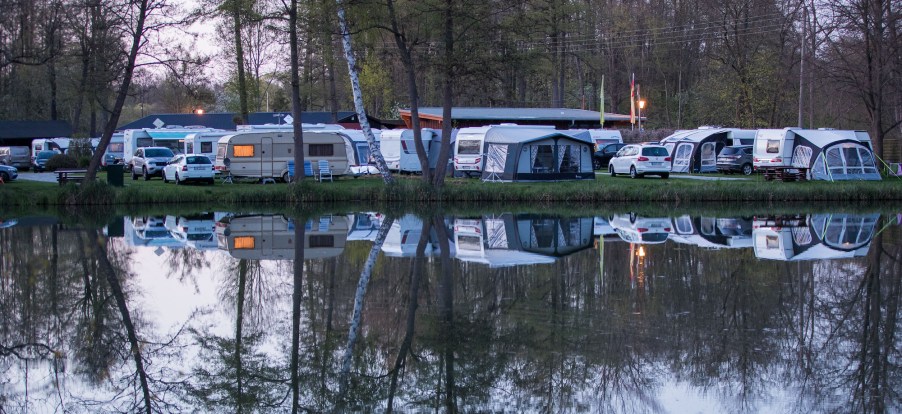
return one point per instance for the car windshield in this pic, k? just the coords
(46, 154)
(158, 152)
(654, 152)
(198, 160)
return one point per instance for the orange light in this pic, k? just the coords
(642, 104)
(199, 111)
(244, 242)
(243, 151)
(641, 252)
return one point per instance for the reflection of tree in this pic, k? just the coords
(234, 373)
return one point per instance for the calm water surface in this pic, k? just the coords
(499, 312)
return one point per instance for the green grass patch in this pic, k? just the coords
(371, 191)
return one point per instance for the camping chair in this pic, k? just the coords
(324, 170)
(308, 169)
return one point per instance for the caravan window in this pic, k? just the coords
(773, 146)
(189, 148)
(321, 150)
(243, 151)
(469, 147)
(115, 147)
(206, 147)
(221, 153)
(144, 142)
(322, 240)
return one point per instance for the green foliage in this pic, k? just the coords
(60, 161)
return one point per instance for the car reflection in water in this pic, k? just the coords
(514, 240)
(814, 237)
(271, 236)
(149, 231)
(193, 231)
(633, 228)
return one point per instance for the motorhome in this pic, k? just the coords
(169, 137)
(267, 154)
(469, 149)
(18, 157)
(271, 237)
(827, 154)
(49, 144)
(399, 150)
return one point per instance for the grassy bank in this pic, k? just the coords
(371, 190)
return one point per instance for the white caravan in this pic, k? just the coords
(399, 151)
(172, 138)
(204, 143)
(469, 149)
(828, 154)
(115, 151)
(271, 237)
(266, 154)
(49, 144)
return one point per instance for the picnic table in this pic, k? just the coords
(70, 176)
(786, 173)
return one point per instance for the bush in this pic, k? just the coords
(60, 161)
(84, 161)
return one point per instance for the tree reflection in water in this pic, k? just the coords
(438, 331)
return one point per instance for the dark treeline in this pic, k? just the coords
(734, 63)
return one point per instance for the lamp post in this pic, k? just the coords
(641, 107)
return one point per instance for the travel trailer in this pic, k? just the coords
(115, 151)
(399, 151)
(469, 148)
(828, 154)
(49, 144)
(271, 237)
(266, 154)
(169, 137)
(203, 143)
(696, 150)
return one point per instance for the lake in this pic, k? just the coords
(485, 311)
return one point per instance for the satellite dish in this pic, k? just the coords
(227, 162)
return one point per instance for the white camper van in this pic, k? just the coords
(399, 151)
(266, 154)
(469, 148)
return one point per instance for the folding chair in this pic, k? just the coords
(325, 171)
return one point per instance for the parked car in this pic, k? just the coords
(149, 161)
(602, 158)
(19, 157)
(638, 160)
(189, 167)
(737, 158)
(8, 173)
(39, 160)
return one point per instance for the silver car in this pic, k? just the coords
(149, 161)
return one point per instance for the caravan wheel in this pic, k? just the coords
(285, 177)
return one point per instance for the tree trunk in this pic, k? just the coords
(299, 236)
(358, 97)
(239, 57)
(137, 39)
(447, 97)
(296, 93)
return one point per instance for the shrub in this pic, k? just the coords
(84, 161)
(59, 161)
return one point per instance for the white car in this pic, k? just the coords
(189, 167)
(638, 160)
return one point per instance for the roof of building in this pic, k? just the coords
(226, 120)
(522, 114)
(35, 129)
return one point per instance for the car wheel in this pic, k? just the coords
(611, 170)
(747, 169)
(144, 174)
(177, 181)
(596, 164)
(4, 177)
(134, 176)
(665, 176)
(285, 177)
(633, 173)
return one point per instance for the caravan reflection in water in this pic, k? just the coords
(822, 236)
(514, 240)
(271, 236)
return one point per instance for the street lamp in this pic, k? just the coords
(641, 107)
(199, 111)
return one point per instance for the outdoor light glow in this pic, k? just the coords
(642, 104)
(199, 111)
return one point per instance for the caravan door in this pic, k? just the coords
(266, 158)
(682, 156)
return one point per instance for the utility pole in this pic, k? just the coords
(802, 65)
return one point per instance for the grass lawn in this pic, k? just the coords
(23, 193)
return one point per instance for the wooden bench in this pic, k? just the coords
(786, 174)
(70, 176)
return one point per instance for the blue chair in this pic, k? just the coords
(324, 170)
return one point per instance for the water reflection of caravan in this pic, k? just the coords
(364, 226)
(492, 241)
(194, 231)
(271, 237)
(636, 229)
(822, 236)
(711, 232)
